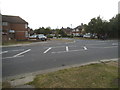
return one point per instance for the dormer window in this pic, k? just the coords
(4, 23)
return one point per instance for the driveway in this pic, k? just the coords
(53, 54)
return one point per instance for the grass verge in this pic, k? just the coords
(18, 42)
(102, 75)
(13, 42)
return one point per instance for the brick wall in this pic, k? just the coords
(19, 34)
(19, 31)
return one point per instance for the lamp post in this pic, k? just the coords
(71, 28)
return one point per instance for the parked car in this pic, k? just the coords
(38, 37)
(94, 36)
(81, 35)
(33, 37)
(41, 37)
(87, 35)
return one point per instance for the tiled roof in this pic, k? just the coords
(13, 19)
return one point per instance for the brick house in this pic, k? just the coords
(77, 31)
(14, 28)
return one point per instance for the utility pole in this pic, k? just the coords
(71, 28)
(0, 50)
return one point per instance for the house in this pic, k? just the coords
(77, 31)
(14, 28)
(67, 30)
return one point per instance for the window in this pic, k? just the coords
(26, 34)
(4, 23)
(26, 26)
(11, 31)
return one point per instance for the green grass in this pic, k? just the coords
(13, 42)
(18, 42)
(88, 76)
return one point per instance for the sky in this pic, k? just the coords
(59, 13)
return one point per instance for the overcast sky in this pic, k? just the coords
(59, 13)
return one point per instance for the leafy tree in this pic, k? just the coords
(103, 27)
(43, 30)
(47, 31)
(113, 26)
(62, 33)
(96, 26)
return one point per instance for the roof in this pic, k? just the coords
(78, 27)
(13, 19)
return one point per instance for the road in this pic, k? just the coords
(53, 54)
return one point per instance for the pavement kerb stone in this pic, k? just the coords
(21, 80)
(107, 60)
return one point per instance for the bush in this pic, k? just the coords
(49, 36)
(70, 36)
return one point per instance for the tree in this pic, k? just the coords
(62, 33)
(97, 26)
(43, 30)
(113, 26)
(47, 31)
(103, 27)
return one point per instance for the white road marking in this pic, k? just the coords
(21, 53)
(105, 47)
(18, 50)
(56, 47)
(96, 44)
(13, 57)
(110, 47)
(70, 42)
(115, 44)
(69, 51)
(11, 51)
(85, 48)
(61, 46)
(3, 52)
(67, 48)
(76, 50)
(47, 50)
(59, 52)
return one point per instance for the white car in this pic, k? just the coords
(87, 36)
(38, 37)
(33, 37)
(41, 37)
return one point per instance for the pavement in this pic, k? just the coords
(31, 59)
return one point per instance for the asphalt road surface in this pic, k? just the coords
(53, 54)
